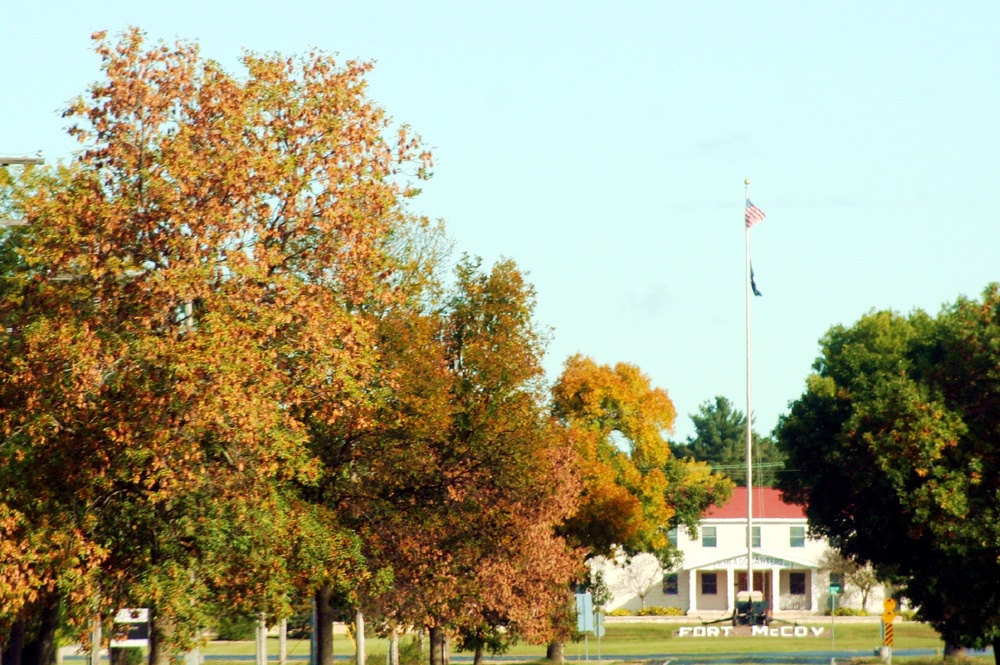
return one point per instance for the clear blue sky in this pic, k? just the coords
(603, 146)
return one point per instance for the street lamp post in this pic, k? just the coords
(19, 161)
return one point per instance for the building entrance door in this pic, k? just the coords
(761, 582)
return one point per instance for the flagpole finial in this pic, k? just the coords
(746, 182)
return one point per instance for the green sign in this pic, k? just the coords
(835, 589)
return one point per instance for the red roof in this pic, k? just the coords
(767, 504)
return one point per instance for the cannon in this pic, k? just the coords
(751, 609)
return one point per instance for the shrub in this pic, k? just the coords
(128, 656)
(849, 612)
(620, 612)
(659, 611)
(236, 627)
(410, 652)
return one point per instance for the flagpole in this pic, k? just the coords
(749, 444)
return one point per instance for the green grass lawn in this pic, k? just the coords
(639, 638)
(623, 640)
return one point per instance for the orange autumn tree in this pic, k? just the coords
(464, 479)
(188, 308)
(38, 552)
(633, 490)
(377, 446)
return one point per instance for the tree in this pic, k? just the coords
(462, 479)
(633, 490)
(720, 439)
(640, 574)
(895, 444)
(852, 573)
(191, 304)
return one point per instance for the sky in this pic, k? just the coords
(603, 146)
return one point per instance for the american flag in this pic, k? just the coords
(754, 214)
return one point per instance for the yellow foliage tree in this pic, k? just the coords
(634, 491)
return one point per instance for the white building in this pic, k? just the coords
(786, 564)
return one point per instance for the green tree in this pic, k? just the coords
(720, 440)
(895, 444)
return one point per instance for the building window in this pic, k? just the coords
(708, 536)
(672, 536)
(797, 584)
(709, 584)
(797, 536)
(670, 584)
(756, 537)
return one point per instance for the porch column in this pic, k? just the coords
(730, 584)
(776, 587)
(693, 589)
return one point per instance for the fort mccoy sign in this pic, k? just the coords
(754, 631)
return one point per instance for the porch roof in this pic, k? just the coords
(761, 559)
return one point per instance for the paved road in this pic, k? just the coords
(782, 658)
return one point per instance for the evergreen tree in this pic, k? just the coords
(720, 440)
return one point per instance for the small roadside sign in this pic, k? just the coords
(585, 612)
(136, 622)
(888, 616)
(887, 636)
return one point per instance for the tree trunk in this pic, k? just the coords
(996, 651)
(955, 651)
(359, 636)
(119, 656)
(478, 658)
(38, 648)
(439, 646)
(15, 644)
(324, 626)
(282, 642)
(554, 652)
(161, 633)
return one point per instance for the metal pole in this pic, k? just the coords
(283, 642)
(833, 625)
(359, 638)
(261, 639)
(749, 443)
